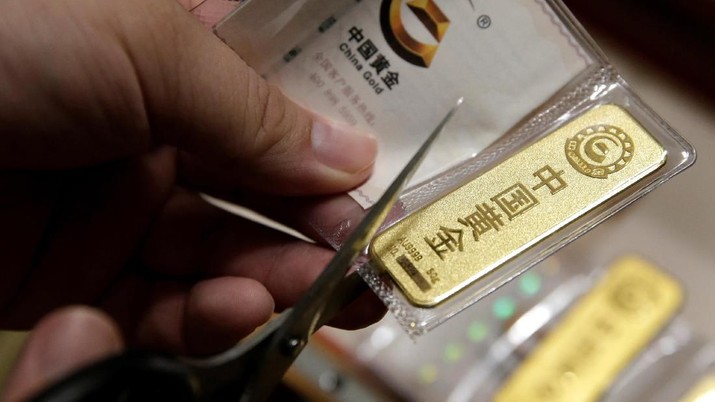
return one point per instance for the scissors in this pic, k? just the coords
(252, 369)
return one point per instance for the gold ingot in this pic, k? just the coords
(598, 337)
(467, 234)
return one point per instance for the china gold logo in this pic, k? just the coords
(634, 296)
(598, 151)
(404, 44)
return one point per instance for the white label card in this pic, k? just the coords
(395, 67)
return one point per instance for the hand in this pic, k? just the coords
(112, 114)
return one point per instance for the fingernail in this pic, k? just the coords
(343, 149)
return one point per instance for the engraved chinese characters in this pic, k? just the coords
(512, 202)
(515, 205)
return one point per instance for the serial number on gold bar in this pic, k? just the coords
(465, 235)
(599, 337)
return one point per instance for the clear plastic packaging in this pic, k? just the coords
(536, 71)
(475, 355)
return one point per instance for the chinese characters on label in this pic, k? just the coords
(346, 92)
(505, 206)
(362, 54)
(379, 74)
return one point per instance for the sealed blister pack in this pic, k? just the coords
(588, 325)
(550, 140)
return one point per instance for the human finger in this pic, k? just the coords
(194, 239)
(190, 318)
(288, 270)
(60, 343)
(324, 219)
(97, 222)
(131, 74)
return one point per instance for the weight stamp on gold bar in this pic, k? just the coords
(465, 235)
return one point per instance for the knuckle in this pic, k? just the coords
(276, 122)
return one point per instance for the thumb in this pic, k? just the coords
(60, 343)
(87, 82)
(206, 101)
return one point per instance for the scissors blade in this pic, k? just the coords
(304, 318)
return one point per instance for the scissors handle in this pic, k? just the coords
(132, 376)
(136, 376)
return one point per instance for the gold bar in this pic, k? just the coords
(599, 336)
(460, 238)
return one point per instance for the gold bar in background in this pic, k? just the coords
(598, 337)
(460, 238)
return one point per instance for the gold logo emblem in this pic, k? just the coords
(598, 151)
(406, 46)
